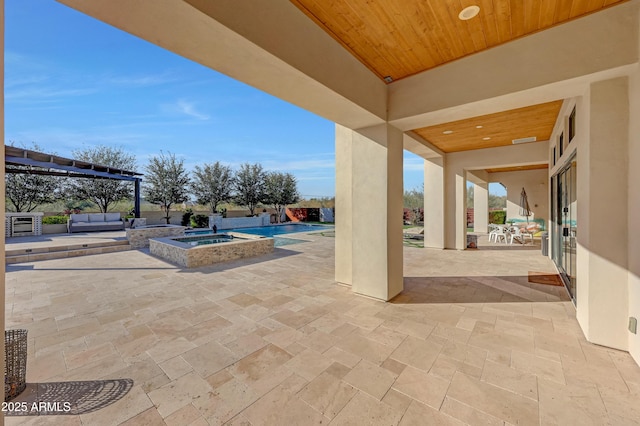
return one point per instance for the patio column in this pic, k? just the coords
(344, 205)
(136, 198)
(455, 216)
(434, 202)
(2, 187)
(369, 210)
(481, 207)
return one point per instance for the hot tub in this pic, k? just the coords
(203, 250)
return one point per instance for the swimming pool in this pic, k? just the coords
(267, 231)
(270, 231)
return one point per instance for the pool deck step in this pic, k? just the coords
(64, 251)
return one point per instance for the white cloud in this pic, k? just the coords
(45, 94)
(300, 164)
(189, 109)
(65, 141)
(142, 80)
(413, 164)
(23, 81)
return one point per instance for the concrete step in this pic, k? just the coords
(61, 252)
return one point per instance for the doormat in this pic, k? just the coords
(545, 278)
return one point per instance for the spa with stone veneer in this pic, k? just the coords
(191, 252)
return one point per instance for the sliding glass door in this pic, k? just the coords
(565, 225)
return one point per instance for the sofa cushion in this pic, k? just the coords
(96, 217)
(80, 217)
(112, 217)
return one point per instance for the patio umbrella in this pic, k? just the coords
(524, 205)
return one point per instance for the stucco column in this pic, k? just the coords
(434, 202)
(2, 187)
(344, 205)
(633, 208)
(455, 212)
(602, 223)
(369, 185)
(481, 207)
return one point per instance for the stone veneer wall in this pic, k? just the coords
(196, 256)
(139, 237)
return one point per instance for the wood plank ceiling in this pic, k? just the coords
(399, 38)
(501, 128)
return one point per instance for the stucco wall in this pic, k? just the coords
(535, 183)
(456, 166)
(601, 146)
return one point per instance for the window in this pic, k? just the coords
(572, 124)
(561, 144)
(554, 155)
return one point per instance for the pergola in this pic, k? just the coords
(53, 165)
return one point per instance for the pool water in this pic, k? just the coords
(270, 231)
(204, 239)
(199, 232)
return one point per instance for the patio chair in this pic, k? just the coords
(414, 233)
(492, 231)
(498, 234)
(520, 234)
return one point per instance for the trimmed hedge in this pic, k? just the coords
(186, 217)
(54, 220)
(200, 221)
(497, 216)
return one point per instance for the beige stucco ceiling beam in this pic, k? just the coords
(270, 45)
(554, 64)
(419, 146)
(503, 156)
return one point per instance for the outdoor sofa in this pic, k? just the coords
(87, 222)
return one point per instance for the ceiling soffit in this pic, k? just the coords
(399, 38)
(493, 130)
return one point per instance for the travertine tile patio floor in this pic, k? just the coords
(276, 341)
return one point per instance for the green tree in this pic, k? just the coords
(102, 192)
(166, 182)
(212, 184)
(249, 186)
(280, 189)
(414, 200)
(497, 201)
(26, 188)
(318, 202)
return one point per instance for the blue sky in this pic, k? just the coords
(73, 82)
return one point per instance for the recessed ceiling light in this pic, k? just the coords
(388, 79)
(486, 139)
(447, 132)
(469, 12)
(478, 127)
